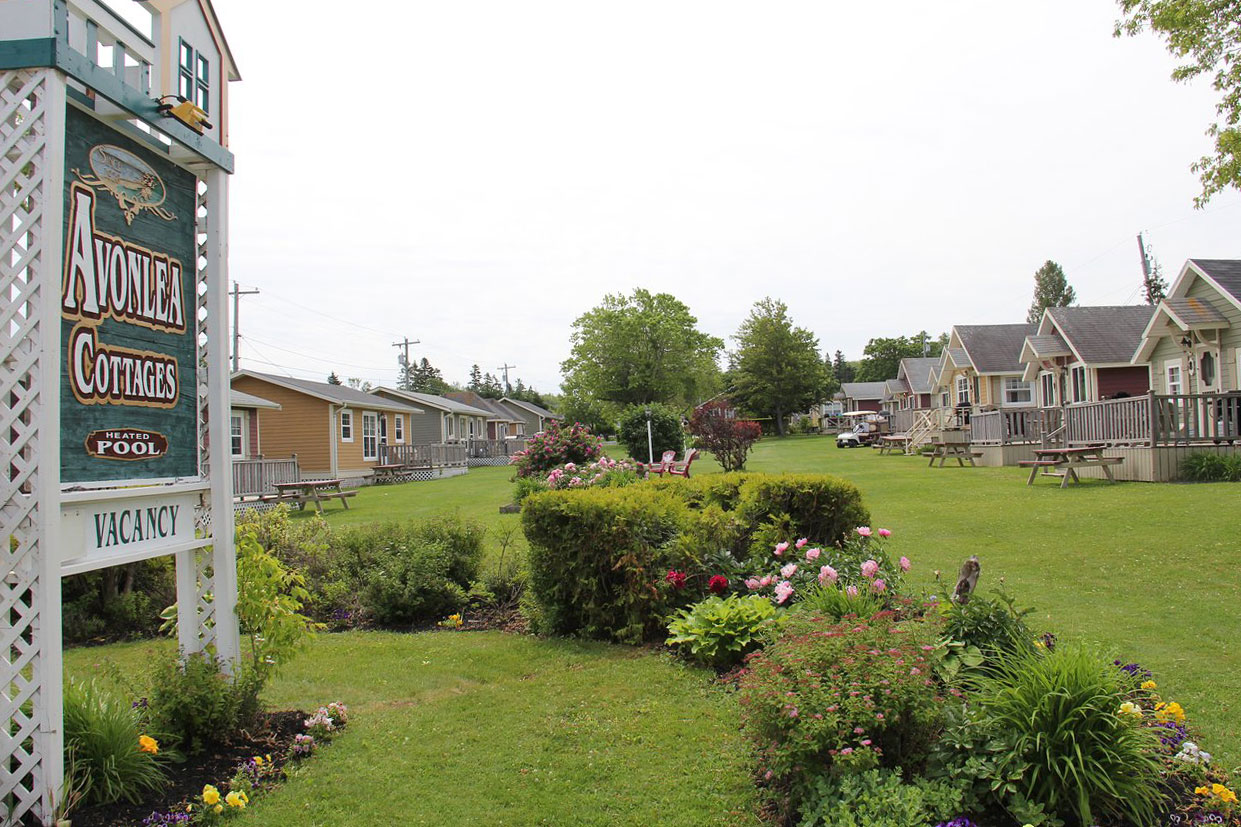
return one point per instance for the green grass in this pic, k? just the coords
(480, 728)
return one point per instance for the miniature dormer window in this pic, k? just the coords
(194, 76)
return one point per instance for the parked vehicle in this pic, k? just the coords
(868, 428)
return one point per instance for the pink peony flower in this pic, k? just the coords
(801, 543)
(784, 590)
(851, 591)
(813, 553)
(883, 532)
(905, 564)
(869, 569)
(827, 574)
(879, 586)
(863, 531)
(780, 547)
(753, 583)
(766, 581)
(788, 571)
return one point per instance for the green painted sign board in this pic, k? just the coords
(128, 406)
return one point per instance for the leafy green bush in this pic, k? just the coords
(719, 631)
(878, 798)
(783, 508)
(666, 431)
(1063, 745)
(101, 734)
(555, 445)
(194, 702)
(1201, 466)
(994, 626)
(118, 601)
(599, 558)
(848, 696)
(830, 600)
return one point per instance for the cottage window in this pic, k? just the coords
(193, 76)
(1047, 382)
(383, 429)
(398, 428)
(346, 426)
(450, 426)
(1172, 371)
(370, 436)
(237, 433)
(1017, 392)
(963, 390)
(1077, 382)
(1206, 370)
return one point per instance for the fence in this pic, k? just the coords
(252, 477)
(437, 455)
(495, 448)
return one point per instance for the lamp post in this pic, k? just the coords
(650, 445)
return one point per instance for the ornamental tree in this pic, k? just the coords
(1051, 289)
(728, 439)
(777, 369)
(556, 445)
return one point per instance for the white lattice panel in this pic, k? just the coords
(28, 636)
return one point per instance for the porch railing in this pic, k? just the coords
(1156, 419)
(252, 477)
(903, 421)
(1013, 426)
(488, 448)
(437, 455)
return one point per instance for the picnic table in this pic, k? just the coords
(949, 450)
(893, 443)
(312, 491)
(1065, 462)
(388, 472)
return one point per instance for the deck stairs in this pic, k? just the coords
(927, 423)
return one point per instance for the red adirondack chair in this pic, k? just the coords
(665, 463)
(681, 469)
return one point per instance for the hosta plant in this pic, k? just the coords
(719, 631)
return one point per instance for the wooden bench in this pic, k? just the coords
(892, 443)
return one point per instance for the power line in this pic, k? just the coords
(316, 357)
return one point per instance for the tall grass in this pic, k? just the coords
(101, 734)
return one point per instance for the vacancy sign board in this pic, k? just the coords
(128, 408)
(128, 391)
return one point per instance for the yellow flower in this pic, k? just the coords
(211, 795)
(1149, 685)
(1202, 790)
(148, 744)
(235, 799)
(219, 808)
(1130, 708)
(1169, 712)
(1039, 644)
(258, 760)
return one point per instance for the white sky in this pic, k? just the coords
(478, 174)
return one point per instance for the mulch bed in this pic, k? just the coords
(273, 736)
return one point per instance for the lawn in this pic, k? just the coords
(468, 728)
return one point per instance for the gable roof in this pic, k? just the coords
(994, 348)
(336, 394)
(1224, 273)
(430, 400)
(916, 370)
(1101, 335)
(863, 390)
(892, 387)
(532, 408)
(497, 412)
(239, 399)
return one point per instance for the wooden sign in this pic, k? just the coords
(128, 394)
(123, 525)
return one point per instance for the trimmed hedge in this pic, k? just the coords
(599, 557)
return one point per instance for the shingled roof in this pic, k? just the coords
(339, 394)
(864, 390)
(994, 348)
(917, 372)
(1225, 272)
(1102, 335)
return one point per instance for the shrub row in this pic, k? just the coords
(602, 560)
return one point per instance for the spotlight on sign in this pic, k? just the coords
(175, 106)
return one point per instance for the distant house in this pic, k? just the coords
(534, 416)
(981, 367)
(502, 423)
(244, 432)
(336, 431)
(1084, 354)
(449, 421)
(862, 396)
(1193, 340)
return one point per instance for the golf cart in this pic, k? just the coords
(868, 426)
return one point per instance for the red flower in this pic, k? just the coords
(718, 584)
(676, 578)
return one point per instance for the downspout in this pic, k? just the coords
(334, 434)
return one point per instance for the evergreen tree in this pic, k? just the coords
(333, 379)
(842, 369)
(422, 377)
(476, 380)
(1154, 288)
(1051, 289)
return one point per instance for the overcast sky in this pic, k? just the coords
(478, 174)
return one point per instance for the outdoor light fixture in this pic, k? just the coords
(175, 106)
(1186, 342)
(650, 445)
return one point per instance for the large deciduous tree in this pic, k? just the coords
(642, 348)
(881, 359)
(1206, 35)
(776, 367)
(1051, 289)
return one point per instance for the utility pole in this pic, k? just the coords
(1146, 262)
(506, 368)
(237, 293)
(404, 345)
